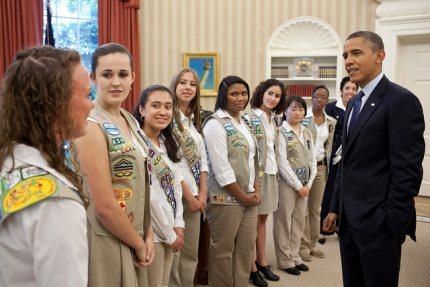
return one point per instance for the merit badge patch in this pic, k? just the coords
(111, 129)
(130, 216)
(11, 179)
(28, 192)
(32, 171)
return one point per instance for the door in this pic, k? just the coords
(414, 74)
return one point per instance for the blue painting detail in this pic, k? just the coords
(205, 70)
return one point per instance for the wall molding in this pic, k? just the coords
(395, 8)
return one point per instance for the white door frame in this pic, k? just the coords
(401, 18)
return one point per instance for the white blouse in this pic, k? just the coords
(216, 145)
(271, 165)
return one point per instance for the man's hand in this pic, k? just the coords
(329, 224)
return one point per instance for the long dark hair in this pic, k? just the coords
(167, 134)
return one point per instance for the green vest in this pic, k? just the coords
(238, 156)
(299, 156)
(259, 132)
(27, 185)
(128, 171)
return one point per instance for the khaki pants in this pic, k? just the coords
(185, 261)
(312, 219)
(288, 225)
(159, 270)
(233, 233)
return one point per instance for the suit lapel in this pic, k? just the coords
(369, 107)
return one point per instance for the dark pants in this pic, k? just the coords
(328, 193)
(372, 265)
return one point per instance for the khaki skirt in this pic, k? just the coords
(269, 194)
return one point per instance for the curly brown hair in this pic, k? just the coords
(258, 95)
(35, 101)
(194, 104)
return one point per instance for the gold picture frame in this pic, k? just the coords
(207, 67)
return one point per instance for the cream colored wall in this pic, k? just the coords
(238, 29)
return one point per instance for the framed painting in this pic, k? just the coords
(207, 67)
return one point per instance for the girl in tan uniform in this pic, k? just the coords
(113, 158)
(297, 169)
(233, 186)
(193, 165)
(267, 101)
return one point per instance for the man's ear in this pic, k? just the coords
(380, 56)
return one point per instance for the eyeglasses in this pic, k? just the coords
(320, 97)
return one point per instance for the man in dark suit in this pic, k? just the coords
(381, 169)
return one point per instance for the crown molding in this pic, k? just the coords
(396, 8)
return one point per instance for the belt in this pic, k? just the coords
(322, 162)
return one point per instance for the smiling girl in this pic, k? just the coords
(193, 165)
(154, 113)
(267, 100)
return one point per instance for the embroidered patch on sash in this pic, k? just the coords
(127, 194)
(101, 116)
(123, 165)
(122, 174)
(228, 199)
(228, 126)
(111, 129)
(231, 132)
(12, 179)
(121, 149)
(28, 192)
(117, 141)
(306, 122)
(301, 174)
(122, 204)
(31, 171)
(123, 157)
(130, 216)
(117, 193)
(215, 198)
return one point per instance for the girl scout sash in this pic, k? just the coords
(189, 149)
(162, 171)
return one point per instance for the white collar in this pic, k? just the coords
(29, 155)
(310, 114)
(339, 104)
(259, 112)
(368, 89)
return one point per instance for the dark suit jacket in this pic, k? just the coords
(381, 168)
(338, 114)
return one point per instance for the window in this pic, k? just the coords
(75, 26)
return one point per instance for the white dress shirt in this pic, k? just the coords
(44, 244)
(321, 136)
(367, 90)
(284, 166)
(162, 214)
(183, 166)
(271, 165)
(216, 145)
